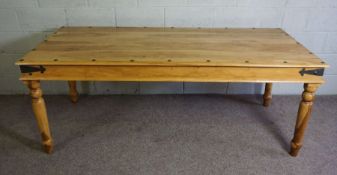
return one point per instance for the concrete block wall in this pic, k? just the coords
(24, 23)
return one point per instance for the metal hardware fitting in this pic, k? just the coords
(317, 72)
(31, 69)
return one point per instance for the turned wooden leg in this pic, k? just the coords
(303, 116)
(40, 112)
(267, 94)
(73, 91)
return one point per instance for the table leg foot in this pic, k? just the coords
(267, 96)
(303, 116)
(40, 111)
(73, 91)
(47, 143)
(295, 148)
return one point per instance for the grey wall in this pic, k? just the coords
(24, 23)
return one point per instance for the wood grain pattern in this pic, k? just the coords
(171, 47)
(172, 74)
(303, 116)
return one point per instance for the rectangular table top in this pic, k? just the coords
(171, 47)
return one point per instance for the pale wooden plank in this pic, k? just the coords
(172, 46)
(172, 74)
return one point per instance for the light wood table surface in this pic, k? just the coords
(172, 55)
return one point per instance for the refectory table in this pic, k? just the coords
(172, 55)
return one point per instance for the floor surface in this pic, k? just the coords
(167, 134)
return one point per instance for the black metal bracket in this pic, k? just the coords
(317, 72)
(31, 69)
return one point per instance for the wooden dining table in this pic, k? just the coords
(223, 55)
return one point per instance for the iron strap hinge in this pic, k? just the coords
(31, 69)
(317, 72)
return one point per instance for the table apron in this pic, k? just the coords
(173, 74)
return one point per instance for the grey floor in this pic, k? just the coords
(167, 134)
